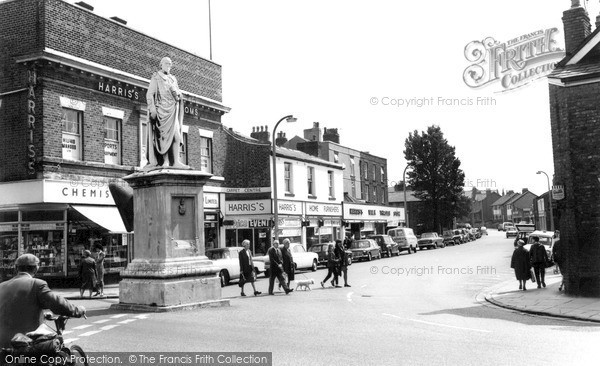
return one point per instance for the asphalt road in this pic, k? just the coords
(417, 309)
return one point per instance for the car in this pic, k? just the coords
(302, 258)
(547, 238)
(366, 249)
(386, 244)
(476, 232)
(511, 231)
(405, 237)
(523, 232)
(431, 241)
(483, 230)
(505, 225)
(448, 237)
(321, 250)
(466, 235)
(226, 259)
(458, 236)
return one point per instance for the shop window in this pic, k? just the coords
(287, 177)
(9, 216)
(331, 184)
(112, 141)
(206, 154)
(9, 251)
(71, 134)
(47, 245)
(311, 180)
(42, 215)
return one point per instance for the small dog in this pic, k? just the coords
(305, 284)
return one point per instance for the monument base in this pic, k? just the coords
(159, 295)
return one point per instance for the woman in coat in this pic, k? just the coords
(520, 263)
(288, 261)
(332, 264)
(100, 255)
(247, 268)
(87, 273)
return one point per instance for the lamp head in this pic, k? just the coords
(291, 119)
(539, 172)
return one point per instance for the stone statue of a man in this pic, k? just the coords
(165, 109)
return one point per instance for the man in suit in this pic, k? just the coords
(23, 298)
(247, 267)
(276, 268)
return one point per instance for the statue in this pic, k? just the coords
(165, 109)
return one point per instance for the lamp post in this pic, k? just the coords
(418, 162)
(290, 118)
(550, 196)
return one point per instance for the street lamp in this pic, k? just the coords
(418, 162)
(289, 119)
(550, 195)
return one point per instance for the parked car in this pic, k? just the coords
(321, 251)
(523, 232)
(431, 241)
(483, 230)
(405, 237)
(386, 244)
(448, 237)
(458, 236)
(365, 249)
(547, 238)
(511, 231)
(476, 232)
(302, 258)
(505, 225)
(226, 259)
(466, 235)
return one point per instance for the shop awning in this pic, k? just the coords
(106, 216)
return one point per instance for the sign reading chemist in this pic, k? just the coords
(76, 192)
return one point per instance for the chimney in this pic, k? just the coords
(261, 133)
(281, 139)
(313, 134)
(525, 190)
(576, 22)
(119, 20)
(85, 6)
(331, 134)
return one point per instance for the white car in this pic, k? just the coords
(302, 258)
(547, 239)
(227, 260)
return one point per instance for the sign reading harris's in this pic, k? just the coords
(514, 63)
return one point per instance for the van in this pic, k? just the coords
(405, 237)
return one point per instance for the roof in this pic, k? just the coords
(576, 71)
(502, 200)
(514, 198)
(299, 155)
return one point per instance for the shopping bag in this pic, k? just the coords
(532, 275)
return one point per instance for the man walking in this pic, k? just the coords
(539, 258)
(340, 252)
(276, 268)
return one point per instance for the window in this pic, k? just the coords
(112, 140)
(366, 170)
(71, 134)
(352, 167)
(336, 157)
(183, 151)
(353, 188)
(374, 172)
(287, 177)
(367, 193)
(331, 184)
(382, 175)
(205, 154)
(311, 180)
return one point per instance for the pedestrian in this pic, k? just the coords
(288, 261)
(559, 259)
(99, 256)
(276, 268)
(332, 264)
(520, 263)
(87, 273)
(343, 257)
(247, 274)
(23, 298)
(539, 259)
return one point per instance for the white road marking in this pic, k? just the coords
(349, 296)
(90, 333)
(102, 321)
(363, 286)
(438, 324)
(142, 316)
(127, 321)
(118, 316)
(65, 332)
(69, 340)
(108, 327)
(82, 326)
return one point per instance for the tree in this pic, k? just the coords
(436, 178)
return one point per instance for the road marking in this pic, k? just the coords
(108, 327)
(90, 333)
(118, 316)
(438, 324)
(102, 321)
(127, 321)
(349, 296)
(69, 340)
(82, 326)
(363, 286)
(65, 332)
(142, 316)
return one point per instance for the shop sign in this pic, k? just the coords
(290, 222)
(558, 193)
(248, 207)
(31, 120)
(260, 223)
(44, 227)
(325, 230)
(70, 147)
(118, 90)
(372, 212)
(111, 152)
(77, 192)
(248, 190)
(211, 200)
(210, 217)
(9, 228)
(290, 232)
(289, 207)
(323, 209)
(334, 223)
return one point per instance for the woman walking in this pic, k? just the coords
(332, 264)
(100, 255)
(87, 273)
(247, 268)
(520, 263)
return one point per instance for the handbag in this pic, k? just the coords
(532, 275)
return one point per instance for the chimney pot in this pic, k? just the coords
(575, 3)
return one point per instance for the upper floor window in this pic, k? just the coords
(336, 157)
(311, 180)
(183, 150)
(352, 167)
(287, 177)
(374, 172)
(112, 140)
(382, 175)
(366, 171)
(206, 150)
(71, 134)
(331, 184)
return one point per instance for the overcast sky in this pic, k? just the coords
(327, 61)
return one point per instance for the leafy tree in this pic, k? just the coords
(436, 178)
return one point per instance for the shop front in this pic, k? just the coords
(251, 220)
(212, 218)
(290, 221)
(364, 220)
(325, 223)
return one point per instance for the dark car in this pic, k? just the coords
(365, 249)
(387, 244)
(321, 250)
(431, 241)
(458, 236)
(448, 237)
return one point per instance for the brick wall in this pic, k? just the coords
(244, 163)
(575, 121)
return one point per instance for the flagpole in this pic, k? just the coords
(209, 30)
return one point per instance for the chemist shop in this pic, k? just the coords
(57, 220)
(364, 220)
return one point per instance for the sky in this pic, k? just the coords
(343, 63)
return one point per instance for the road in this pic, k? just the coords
(417, 309)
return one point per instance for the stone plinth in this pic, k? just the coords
(169, 269)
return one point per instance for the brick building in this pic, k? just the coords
(574, 114)
(73, 113)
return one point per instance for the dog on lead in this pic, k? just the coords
(304, 284)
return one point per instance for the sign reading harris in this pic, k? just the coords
(514, 63)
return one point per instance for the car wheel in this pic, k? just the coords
(224, 278)
(314, 265)
(369, 257)
(414, 249)
(349, 260)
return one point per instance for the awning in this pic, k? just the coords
(106, 216)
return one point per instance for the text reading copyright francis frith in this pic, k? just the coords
(433, 271)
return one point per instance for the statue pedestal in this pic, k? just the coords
(169, 270)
